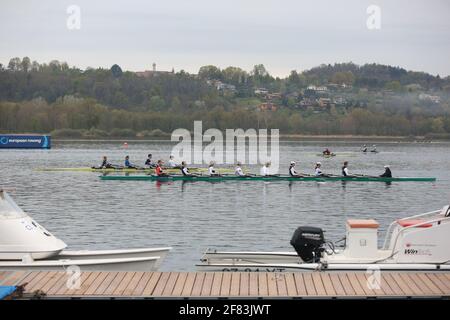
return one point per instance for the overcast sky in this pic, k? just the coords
(186, 34)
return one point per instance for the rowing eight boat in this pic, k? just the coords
(258, 178)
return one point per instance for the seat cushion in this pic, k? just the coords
(412, 222)
(363, 223)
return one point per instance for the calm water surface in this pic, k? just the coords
(89, 213)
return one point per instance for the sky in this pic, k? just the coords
(283, 35)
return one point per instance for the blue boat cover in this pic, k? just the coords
(6, 291)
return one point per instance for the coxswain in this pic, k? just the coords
(387, 172)
(159, 171)
(128, 164)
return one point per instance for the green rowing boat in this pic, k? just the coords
(258, 178)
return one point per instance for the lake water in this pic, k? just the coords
(86, 212)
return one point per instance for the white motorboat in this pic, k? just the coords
(415, 243)
(26, 245)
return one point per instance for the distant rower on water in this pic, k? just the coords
(159, 171)
(128, 164)
(387, 172)
(149, 162)
(212, 172)
(326, 152)
(265, 169)
(292, 171)
(364, 148)
(105, 164)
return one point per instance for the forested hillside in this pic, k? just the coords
(330, 99)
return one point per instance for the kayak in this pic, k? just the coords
(126, 170)
(258, 178)
(327, 155)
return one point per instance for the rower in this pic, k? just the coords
(172, 162)
(128, 164)
(364, 148)
(374, 148)
(159, 171)
(105, 164)
(149, 163)
(185, 170)
(326, 152)
(387, 172)
(292, 171)
(265, 169)
(317, 170)
(238, 170)
(345, 169)
(212, 172)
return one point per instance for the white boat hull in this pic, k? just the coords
(119, 264)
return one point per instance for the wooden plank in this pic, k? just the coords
(38, 284)
(300, 284)
(189, 284)
(96, 283)
(359, 291)
(281, 285)
(170, 284)
(337, 285)
(235, 283)
(159, 288)
(59, 285)
(207, 284)
(4, 275)
(412, 281)
(444, 286)
(106, 283)
(318, 284)
(55, 278)
(114, 283)
(309, 284)
(402, 284)
(216, 285)
(28, 278)
(198, 283)
(385, 285)
(14, 278)
(226, 284)
(245, 284)
(396, 290)
(179, 285)
(151, 284)
(142, 283)
(377, 288)
(364, 283)
(328, 284)
(263, 285)
(430, 284)
(33, 284)
(272, 284)
(133, 284)
(86, 284)
(346, 285)
(291, 288)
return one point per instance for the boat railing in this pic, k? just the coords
(424, 222)
(389, 230)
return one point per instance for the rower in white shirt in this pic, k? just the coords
(238, 170)
(317, 170)
(292, 171)
(211, 170)
(172, 162)
(265, 169)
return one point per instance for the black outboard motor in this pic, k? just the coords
(308, 241)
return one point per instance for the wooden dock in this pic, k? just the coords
(148, 285)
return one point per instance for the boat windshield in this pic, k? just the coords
(8, 208)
